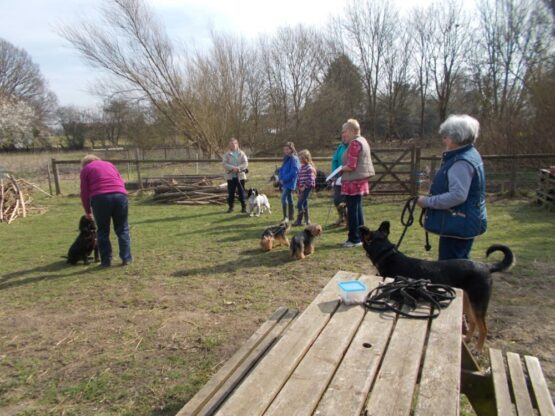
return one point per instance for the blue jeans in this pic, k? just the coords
(454, 248)
(115, 207)
(355, 216)
(287, 196)
(302, 203)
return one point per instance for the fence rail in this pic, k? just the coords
(401, 171)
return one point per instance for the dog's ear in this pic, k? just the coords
(255, 191)
(365, 233)
(384, 228)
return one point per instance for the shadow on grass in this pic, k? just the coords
(174, 218)
(6, 281)
(256, 258)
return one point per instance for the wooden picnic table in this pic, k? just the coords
(346, 360)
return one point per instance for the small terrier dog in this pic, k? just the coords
(302, 243)
(85, 243)
(277, 233)
(257, 202)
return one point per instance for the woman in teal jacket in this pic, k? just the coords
(336, 161)
(288, 173)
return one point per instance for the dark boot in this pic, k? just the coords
(306, 217)
(230, 209)
(284, 208)
(299, 220)
(342, 214)
(243, 208)
(291, 212)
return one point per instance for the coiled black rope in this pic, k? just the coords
(405, 293)
(407, 219)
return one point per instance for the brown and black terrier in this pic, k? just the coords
(85, 243)
(302, 243)
(275, 234)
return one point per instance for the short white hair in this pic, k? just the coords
(461, 128)
(352, 125)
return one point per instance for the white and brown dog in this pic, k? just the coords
(257, 202)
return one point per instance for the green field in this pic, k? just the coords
(142, 339)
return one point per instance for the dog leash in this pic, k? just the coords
(409, 208)
(405, 293)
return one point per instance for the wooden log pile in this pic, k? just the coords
(191, 190)
(15, 198)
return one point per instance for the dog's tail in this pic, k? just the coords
(505, 264)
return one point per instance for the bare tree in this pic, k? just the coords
(131, 45)
(515, 40)
(219, 85)
(368, 25)
(448, 50)
(293, 66)
(421, 28)
(396, 75)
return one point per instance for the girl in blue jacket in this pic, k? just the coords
(288, 173)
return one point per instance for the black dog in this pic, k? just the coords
(302, 243)
(85, 243)
(472, 277)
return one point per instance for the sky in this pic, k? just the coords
(31, 25)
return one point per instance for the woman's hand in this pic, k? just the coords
(420, 201)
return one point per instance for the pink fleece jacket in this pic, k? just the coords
(99, 177)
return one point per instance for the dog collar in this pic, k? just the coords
(384, 255)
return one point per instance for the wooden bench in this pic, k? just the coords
(518, 393)
(229, 376)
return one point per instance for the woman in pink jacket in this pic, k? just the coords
(103, 194)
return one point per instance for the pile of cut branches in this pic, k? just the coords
(190, 190)
(15, 198)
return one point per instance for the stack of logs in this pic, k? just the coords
(191, 190)
(15, 198)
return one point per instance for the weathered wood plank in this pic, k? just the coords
(439, 391)
(393, 390)
(212, 387)
(348, 390)
(247, 365)
(500, 383)
(308, 382)
(257, 392)
(539, 386)
(518, 381)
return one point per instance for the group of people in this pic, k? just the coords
(298, 173)
(455, 207)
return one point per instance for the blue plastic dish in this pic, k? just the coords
(353, 286)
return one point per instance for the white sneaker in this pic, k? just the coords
(349, 244)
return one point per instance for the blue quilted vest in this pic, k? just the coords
(468, 219)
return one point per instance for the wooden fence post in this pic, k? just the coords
(49, 178)
(56, 177)
(138, 164)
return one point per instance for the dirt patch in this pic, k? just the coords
(521, 315)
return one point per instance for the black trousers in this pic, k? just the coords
(235, 185)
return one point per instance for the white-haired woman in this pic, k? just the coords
(357, 168)
(103, 193)
(456, 207)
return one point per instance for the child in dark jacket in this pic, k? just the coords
(305, 184)
(288, 174)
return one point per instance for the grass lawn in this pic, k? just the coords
(141, 340)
